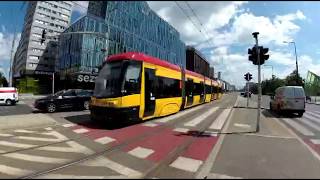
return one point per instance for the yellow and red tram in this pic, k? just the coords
(137, 86)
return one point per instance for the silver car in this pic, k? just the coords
(289, 99)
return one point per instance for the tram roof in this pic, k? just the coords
(137, 56)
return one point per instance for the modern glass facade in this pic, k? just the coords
(312, 84)
(133, 27)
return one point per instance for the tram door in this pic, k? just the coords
(189, 92)
(149, 94)
(202, 93)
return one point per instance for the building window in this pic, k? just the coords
(34, 57)
(36, 35)
(36, 50)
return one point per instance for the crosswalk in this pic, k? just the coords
(308, 125)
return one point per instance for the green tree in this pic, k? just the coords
(3, 80)
(293, 80)
(270, 85)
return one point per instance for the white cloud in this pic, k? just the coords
(5, 49)
(80, 6)
(213, 15)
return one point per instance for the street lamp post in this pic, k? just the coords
(271, 67)
(295, 51)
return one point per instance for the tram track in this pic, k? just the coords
(185, 117)
(179, 119)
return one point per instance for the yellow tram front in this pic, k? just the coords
(117, 90)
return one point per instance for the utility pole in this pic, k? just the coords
(255, 35)
(11, 58)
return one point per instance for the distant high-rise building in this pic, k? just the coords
(196, 62)
(35, 62)
(133, 26)
(97, 8)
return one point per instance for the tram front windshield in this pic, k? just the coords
(118, 78)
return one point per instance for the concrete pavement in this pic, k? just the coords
(274, 152)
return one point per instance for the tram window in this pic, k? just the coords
(208, 89)
(167, 87)
(131, 83)
(198, 88)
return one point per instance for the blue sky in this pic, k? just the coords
(229, 25)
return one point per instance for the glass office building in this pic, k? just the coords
(133, 27)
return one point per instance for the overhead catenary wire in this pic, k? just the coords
(189, 18)
(205, 31)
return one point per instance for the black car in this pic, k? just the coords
(66, 99)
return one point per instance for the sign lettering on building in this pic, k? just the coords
(86, 78)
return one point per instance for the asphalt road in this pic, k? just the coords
(175, 146)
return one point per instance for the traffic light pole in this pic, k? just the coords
(259, 82)
(247, 94)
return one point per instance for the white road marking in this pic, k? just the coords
(186, 164)
(65, 176)
(57, 135)
(6, 135)
(17, 145)
(37, 139)
(221, 176)
(104, 140)
(150, 124)
(218, 123)
(33, 158)
(314, 114)
(209, 133)
(183, 130)
(104, 162)
(310, 123)
(179, 114)
(48, 128)
(68, 125)
(81, 130)
(200, 118)
(74, 147)
(13, 171)
(315, 141)
(242, 125)
(141, 152)
(298, 127)
(24, 131)
(309, 116)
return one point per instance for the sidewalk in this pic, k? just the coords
(25, 121)
(314, 100)
(30, 96)
(273, 152)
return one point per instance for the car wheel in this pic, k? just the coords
(300, 114)
(8, 102)
(51, 107)
(86, 105)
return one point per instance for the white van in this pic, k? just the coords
(289, 99)
(9, 95)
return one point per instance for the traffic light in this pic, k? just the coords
(263, 54)
(248, 76)
(252, 54)
(43, 36)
